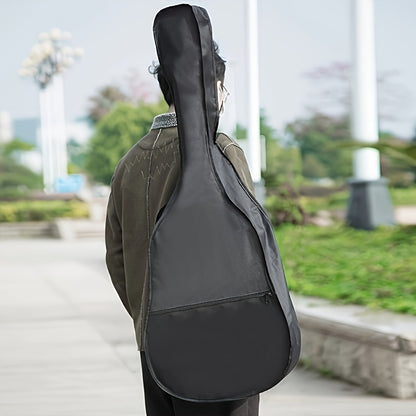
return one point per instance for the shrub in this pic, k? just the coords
(19, 211)
(16, 180)
(283, 206)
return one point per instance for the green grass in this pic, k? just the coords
(337, 200)
(403, 196)
(376, 269)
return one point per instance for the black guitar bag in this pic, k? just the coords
(220, 323)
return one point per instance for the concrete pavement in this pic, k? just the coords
(67, 346)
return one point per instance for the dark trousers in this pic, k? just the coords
(160, 403)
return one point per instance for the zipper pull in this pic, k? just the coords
(268, 297)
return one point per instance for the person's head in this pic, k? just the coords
(158, 72)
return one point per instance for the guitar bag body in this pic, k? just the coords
(220, 324)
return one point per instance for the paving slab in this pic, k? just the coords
(67, 345)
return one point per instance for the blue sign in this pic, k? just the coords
(69, 184)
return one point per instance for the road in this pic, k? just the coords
(67, 345)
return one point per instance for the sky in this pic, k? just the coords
(295, 37)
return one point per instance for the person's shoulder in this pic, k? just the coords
(139, 152)
(157, 138)
(154, 139)
(224, 142)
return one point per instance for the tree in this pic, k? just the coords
(76, 156)
(328, 125)
(281, 177)
(104, 101)
(133, 89)
(332, 94)
(313, 168)
(15, 145)
(398, 157)
(116, 133)
(315, 137)
(15, 179)
(283, 163)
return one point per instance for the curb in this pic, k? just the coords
(65, 229)
(375, 349)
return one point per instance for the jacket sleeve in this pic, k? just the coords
(114, 255)
(235, 155)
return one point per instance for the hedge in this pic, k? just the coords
(19, 211)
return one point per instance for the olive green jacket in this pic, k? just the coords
(141, 186)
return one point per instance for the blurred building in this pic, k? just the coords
(28, 130)
(79, 130)
(6, 131)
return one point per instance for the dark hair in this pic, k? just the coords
(158, 72)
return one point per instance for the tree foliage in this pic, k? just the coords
(76, 156)
(104, 101)
(315, 137)
(133, 90)
(281, 176)
(398, 157)
(15, 145)
(332, 90)
(116, 133)
(283, 163)
(15, 179)
(319, 135)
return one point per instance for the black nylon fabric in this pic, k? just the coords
(244, 327)
(259, 219)
(212, 249)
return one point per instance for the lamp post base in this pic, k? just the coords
(369, 204)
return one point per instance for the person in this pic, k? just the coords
(141, 186)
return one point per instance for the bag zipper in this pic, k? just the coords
(267, 297)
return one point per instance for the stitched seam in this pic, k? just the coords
(161, 146)
(143, 319)
(148, 185)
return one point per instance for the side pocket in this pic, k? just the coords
(220, 350)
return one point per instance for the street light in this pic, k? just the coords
(369, 204)
(47, 61)
(254, 141)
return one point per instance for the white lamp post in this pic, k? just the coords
(254, 146)
(364, 123)
(45, 64)
(369, 203)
